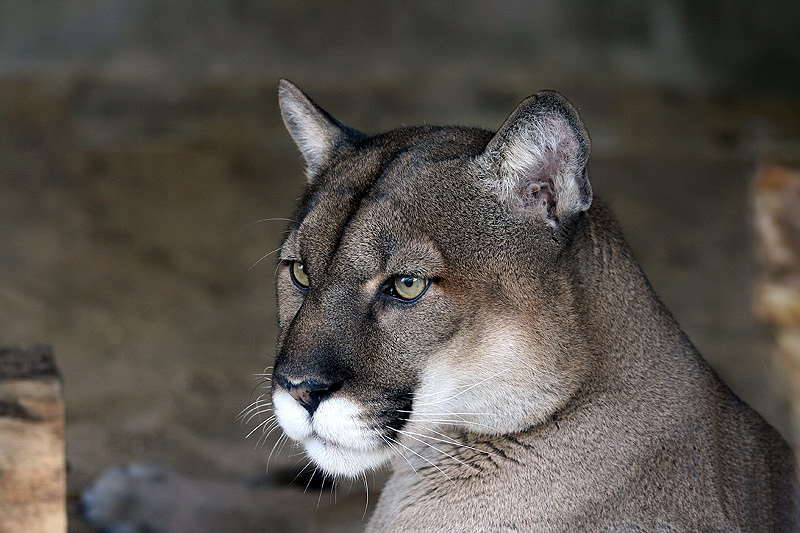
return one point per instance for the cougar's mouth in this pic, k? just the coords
(328, 444)
(339, 460)
(334, 436)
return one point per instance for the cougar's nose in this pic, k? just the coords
(310, 392)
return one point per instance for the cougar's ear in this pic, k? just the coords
(536, 162)
(316, 133)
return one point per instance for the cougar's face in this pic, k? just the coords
(395, 315)
(419, 289)
(363, 306)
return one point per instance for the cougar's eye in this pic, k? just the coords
(299, 275)
(408, 287)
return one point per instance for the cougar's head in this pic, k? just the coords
(421, 288)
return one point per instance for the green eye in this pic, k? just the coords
(299, 275)
(408, 287)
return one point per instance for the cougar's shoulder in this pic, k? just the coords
(456, 303)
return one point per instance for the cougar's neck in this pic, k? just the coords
(625, 323)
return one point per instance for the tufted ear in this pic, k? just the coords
(316, 133)
(536, 162)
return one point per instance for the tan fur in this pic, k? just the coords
(538, 384)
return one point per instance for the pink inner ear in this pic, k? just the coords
(536, 191)
(540, 173)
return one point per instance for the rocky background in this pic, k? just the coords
(144, 171)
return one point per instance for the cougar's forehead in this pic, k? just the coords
(381, 203)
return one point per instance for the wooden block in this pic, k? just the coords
(778, 303)
(777, 222)
(776, 195)
(32, 448)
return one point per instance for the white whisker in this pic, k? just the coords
(300, 472)
(280, 439)
(272, 219)
(460, 422)
(265, 372)
(366, 492)
(421, 457)
(446, 413)
(255, 406)
(449, 441)
(299, 453)
(321, 487)
(309, 480)
(258, 413)
(439, 393)
(265, 434)
(262, 258)
(410, 435)
(398, 452)
(455, 389)
(262, 440)
(257, 401)
(467, 389)
(259, 426)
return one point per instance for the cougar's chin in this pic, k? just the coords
(335, 438)
(338, 460)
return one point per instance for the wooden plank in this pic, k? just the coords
(777, 297)
(32, 450)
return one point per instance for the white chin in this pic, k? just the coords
(337, 460)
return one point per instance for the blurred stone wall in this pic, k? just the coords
(684, 43)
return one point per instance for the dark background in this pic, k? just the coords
(140, 144)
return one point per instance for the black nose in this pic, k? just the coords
(309, 393)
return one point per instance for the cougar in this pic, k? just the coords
(458, 304)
